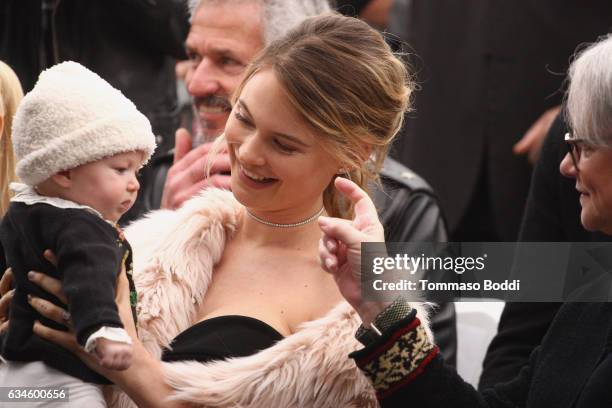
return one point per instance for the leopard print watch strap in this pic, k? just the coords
(397, 357)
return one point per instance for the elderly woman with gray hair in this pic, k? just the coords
(573, 365)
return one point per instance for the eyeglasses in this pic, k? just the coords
(574, 147)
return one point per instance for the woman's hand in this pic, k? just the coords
(61, 316)
(143, 381)
(340, 247)
(6, 294)
(53, 312)
(53, 286)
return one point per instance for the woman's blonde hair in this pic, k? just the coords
(10, 96)
(344, 80)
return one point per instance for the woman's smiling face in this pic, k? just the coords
(279, 167)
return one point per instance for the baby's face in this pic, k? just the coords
(108, 185)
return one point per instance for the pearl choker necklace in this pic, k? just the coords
(292, 225)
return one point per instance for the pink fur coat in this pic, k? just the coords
(174, 256)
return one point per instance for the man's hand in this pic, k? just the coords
(531, 142)
(187, 175)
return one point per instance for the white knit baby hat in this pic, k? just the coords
(73, 117)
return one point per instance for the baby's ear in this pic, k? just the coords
(63, 179)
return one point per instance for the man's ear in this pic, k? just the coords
(63, 179)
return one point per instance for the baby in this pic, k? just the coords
(79, 145)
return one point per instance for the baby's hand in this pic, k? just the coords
(115, 355)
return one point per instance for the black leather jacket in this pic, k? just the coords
(409, 211)
(408, 206)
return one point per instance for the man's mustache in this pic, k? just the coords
(213, 101)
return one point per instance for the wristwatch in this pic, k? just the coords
(396, 311)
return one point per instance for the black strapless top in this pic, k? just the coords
(222, 337)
